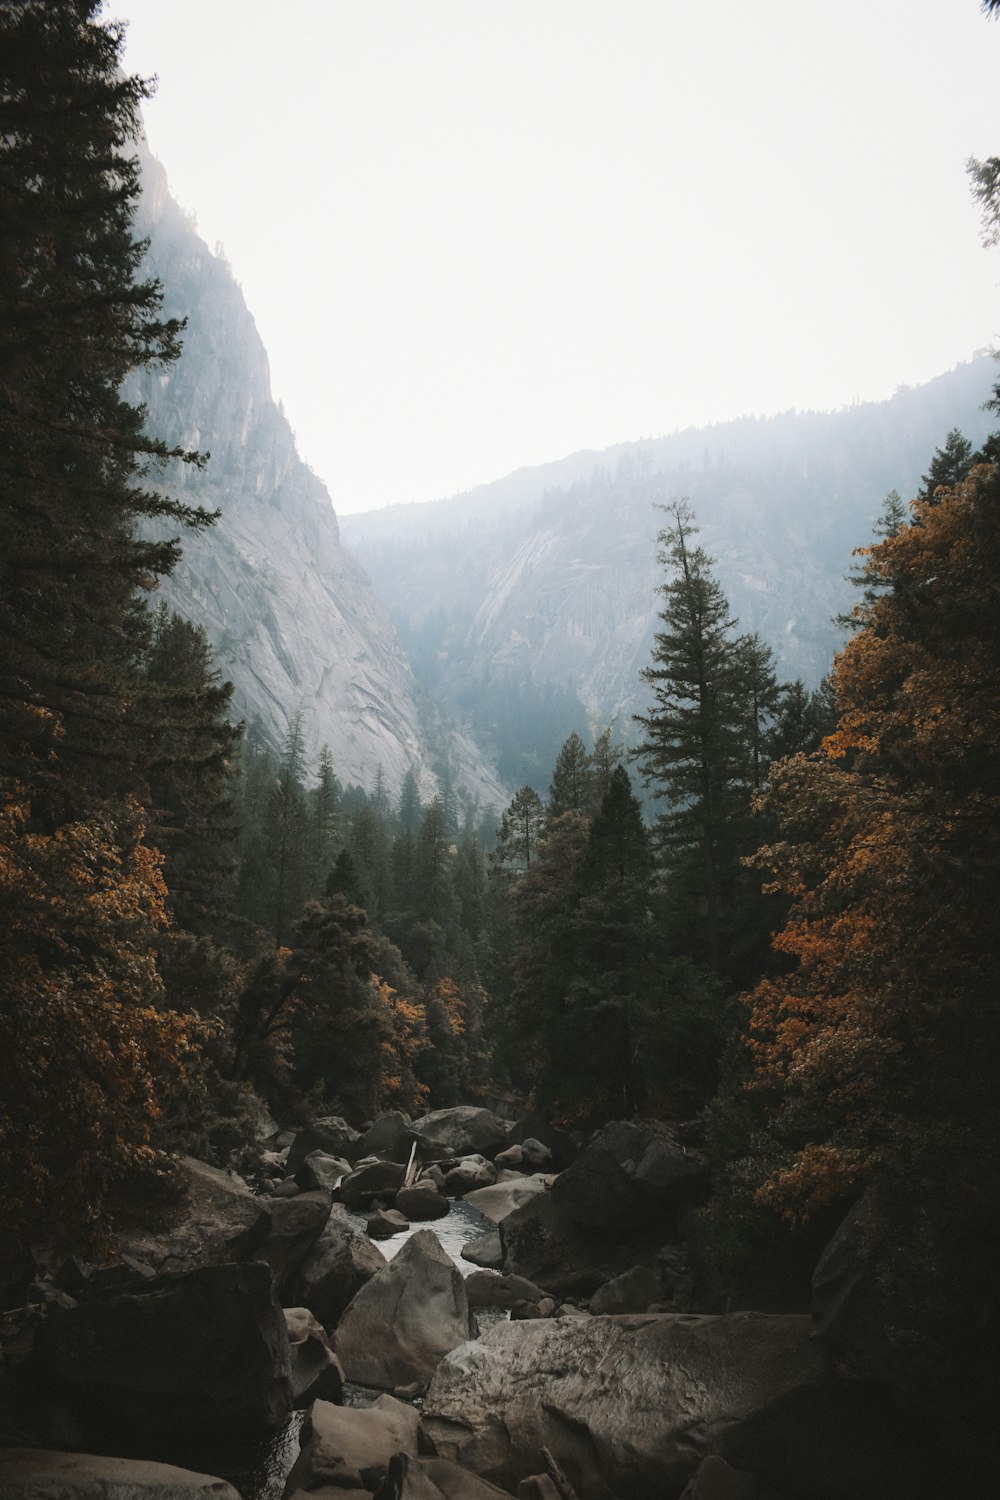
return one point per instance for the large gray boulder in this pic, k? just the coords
(471, 1174)
(422, 1201)
(403, 1321)
(40, 1474)
(543, 1244)
(634, 1291)
(388, 1137)
(412, 1478)
(198, 1350)
(336, 1268)
(320, 1170)
(464, 1130)
(626, 1405)
(315, 1369)
(216, 1219)
(501, 1199)
(349, 1447)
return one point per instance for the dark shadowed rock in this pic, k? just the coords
(319, 1170)
(423, 1201)
(717, 1480)
(412, 1478)
(626, 1406)
(486, 1251)
(198, 1349)
(634, 1291)
(386, 1222)
(338, 1265)
(217, 1219)
(350, 1447)
(38, 1474)
(389, 1138)
(405, 1319)
(376, 1179)
(464, 1130)
(542, 1244)
(315, 1369)
(296, 1225)
(534, 1126)
(630, 1176)
(486, 1289)
(472, 1173)
(331, 1134)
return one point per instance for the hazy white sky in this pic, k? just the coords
(477, 234)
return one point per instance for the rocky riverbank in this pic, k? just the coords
(247, 1311)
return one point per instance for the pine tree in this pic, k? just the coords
(949, 466)
(692, 754)
(572, 780)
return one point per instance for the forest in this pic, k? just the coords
(774, 916)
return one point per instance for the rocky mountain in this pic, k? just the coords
(545, 582)
(290, 614)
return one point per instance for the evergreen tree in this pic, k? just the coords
(949, 467)
(323, 802)
(409, 811)
(520, 830)
(572, 780)
(693, 754)
(890, 519)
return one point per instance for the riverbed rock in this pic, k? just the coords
(197, 1349)
(387, 1137)
(410, 1478)
(331, 1134)
(216, 1219)
(626, 1405)
(320, 1170)
(296, 1225)
(40, 1474)
(634, 1291)
(501, 1199)
(535, 1127)
(511, 1158)
(373, 1179)
(350, 1447)
(543, 1244)
(386, 1222)
(421, 1202)
(401, 1323)
(631, 1176)
(464, 1130)
(486, 1251)
(470, 1174)
(338, 1265)
(315, 1369)
(486, 1289)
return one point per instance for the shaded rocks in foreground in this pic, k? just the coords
(41, 1474)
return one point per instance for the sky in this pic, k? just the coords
(482, 234)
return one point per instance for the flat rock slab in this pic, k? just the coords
(627, 1405)
(39, 1474)
(403, 1321)
(350, 1447)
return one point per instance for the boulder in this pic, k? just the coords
(487, 1251)
(375, 1179)
(198, 1349)
(626, 1405)
(40, 1474)
(385, 1223)
(535, 1127)
(388, 1138)
(422, 1201)
(315, 1369)
(540, 1243)
(631, 1176)
(405, 1319)
(471, 1172)
(486, 1289)
(331, 1134)
(296, 1225)
(215, 1220)
(412, 1478)
(512, 1158)
(501, 1199)
(320, 1170)
(338, 1265)
(634, 1291)
(432, 1174)
(535, 1156)
(350, 1447)
(464, 1130)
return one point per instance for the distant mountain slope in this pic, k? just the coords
(290, 614)
(549, 576)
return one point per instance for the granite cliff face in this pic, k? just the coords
(291, 616)
(550, 575)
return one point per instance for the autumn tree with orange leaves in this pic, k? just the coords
(881, 1044)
